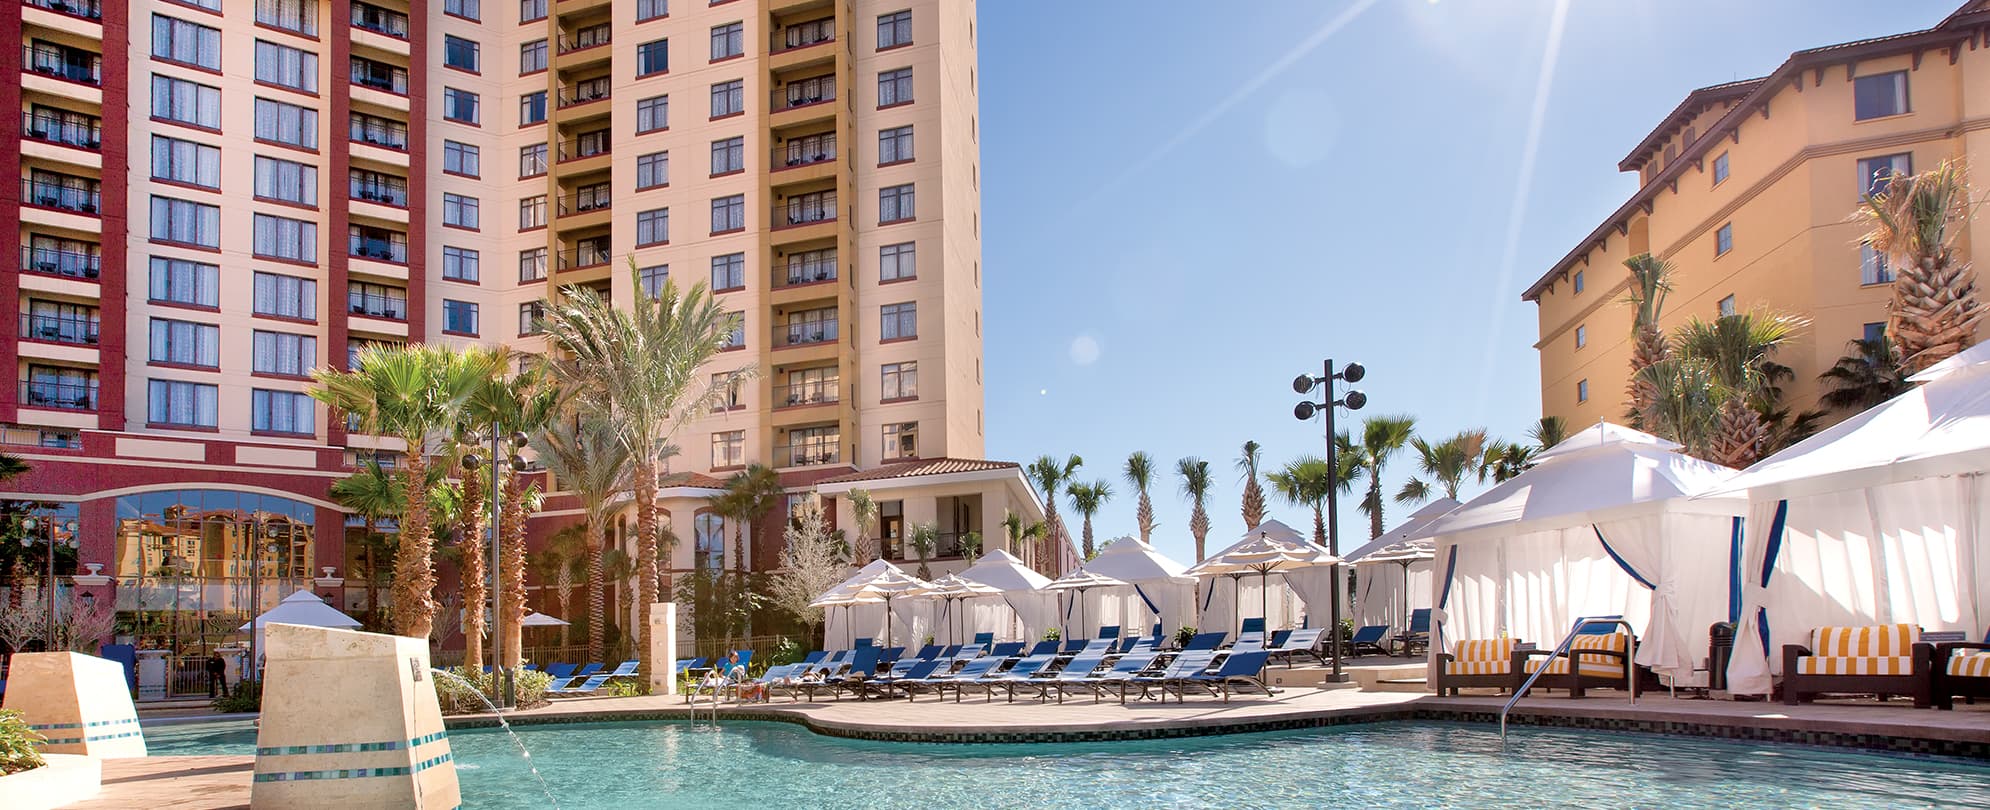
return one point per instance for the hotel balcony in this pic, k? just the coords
(91, 10)
(74, 330)
(803, 101)
(586, 207)
(60, 263)
(62, 71)
(804, 217)
(806, 394)
(588, 255)
(65, 396)
(826, 450)
(803, 159)
(584, 47)
(379, 28)
(79, 131)
(582, 100)
(376, 252)
(379, 84)
(803, 43)
(588, 152)
(68, 193)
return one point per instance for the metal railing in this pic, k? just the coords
(586, 145)
(805, 334)
(66, 396)
(74, 329)
(804, 211)
(377, 249)
(796, 36)
(805, 272)
(585, 92)
(1574, 668)
(593, 36)
(588, 256)
(59, 262)
(380, 190)
(803, 93)
(816, 392)
(379, 132)
(585, 200)
(825, 451)
(57, 195)
(800, 152)
(60, 62)
(368, 73)
(42, 126)
(87, 9)
(375, 305)
(369, 17)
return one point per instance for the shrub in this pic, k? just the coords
(1183, 635)
(786, 651)
(17, 743)
(459, 697)
(247, 697)
(1052, 635)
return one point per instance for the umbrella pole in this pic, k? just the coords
(1237, 601)
(1264, 599)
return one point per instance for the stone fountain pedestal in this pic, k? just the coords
(80, 703)
(350, 720)
(663, 648)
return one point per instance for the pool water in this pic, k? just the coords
(1381, 765)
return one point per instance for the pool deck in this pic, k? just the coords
(205, 783)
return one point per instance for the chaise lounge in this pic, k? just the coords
(1884, 660)
(1600, 660)
(1960, 668)
(1478, 663)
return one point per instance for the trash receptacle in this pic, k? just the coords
(1720, 647)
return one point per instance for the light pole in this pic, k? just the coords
(499, 671)
(1353, 401)
(54, 539)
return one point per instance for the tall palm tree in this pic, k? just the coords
(565, 556)
(1194, 473)
(1382, 437)
(1307, 481)
(587, 458)
(404, 392)
(373, 494)
(1735, 350)
(470, 516)
(864, 513)
(1651, 280)
(1012, 525)
(1086, 499)
(1867, 376)
(1253, 503)
(1506, 460)
(640, 368)
(1140, 474)
(1049, 476)
(619, 568)
(521, 405)
(1914, 223)
(749, 494)
(1445, 466)
(923, 538)
(1548, 432)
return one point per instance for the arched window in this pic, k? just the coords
(710, 554)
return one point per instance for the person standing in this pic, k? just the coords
(217, 675)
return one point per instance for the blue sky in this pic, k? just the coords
(1180, 212)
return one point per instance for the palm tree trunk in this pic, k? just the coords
(1319, 526)
(1375, 500)
(372, 577)
(1145, 517)
(597, 596)
(1253, 504)
(511, 562)
(1089, 551)
(645, 563)
(414, 568)
(471, 523)
(1198, 525)
(563, 585)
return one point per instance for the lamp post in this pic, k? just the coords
(1353, 401)
(54, 538)
(499, 671)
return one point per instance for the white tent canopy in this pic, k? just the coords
(1157, 592)
(302, 607)
(846, 619)
(1605, 524)
(1392, 572)
(1232, 590)
(1023, 611)
(1875, 520)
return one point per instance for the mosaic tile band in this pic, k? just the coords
(350, 748)
(354, 773)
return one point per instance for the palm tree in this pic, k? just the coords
(749, 494)
(1140, 474)
(616, 567)
(1253, 505)
(1651, 280)
(864, 513)
(1735, 351)
(1914, 222)
(1382, 437)
(588, 459)
(1307, 481)
(11, 466)
(923, 538)
(404, 392)
(1049, 476)
(1867, 376)
(1548, 432)
(520, 405)
(566, 554)
(1194, 473)
(1086, 499)
(1506, 460)
(1445, 465)
(1012, 525)
(639, 368)
(373, 494)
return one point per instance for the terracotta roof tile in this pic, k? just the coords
(922, 467)
(700, 480)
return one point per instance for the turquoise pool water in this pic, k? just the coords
(1383, 765)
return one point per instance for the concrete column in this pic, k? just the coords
(663, 648)
(995, 505)
(78, 702)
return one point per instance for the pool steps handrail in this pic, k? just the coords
(1562, 651)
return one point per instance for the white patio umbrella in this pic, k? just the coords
(1262, 554)
(1021, 587)
(835, 598)
(302, 607)
(1405, 554)
(889, 585)
(1081, 580)
(536, 619)
(954, 588)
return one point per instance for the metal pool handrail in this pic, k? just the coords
(1562, 651)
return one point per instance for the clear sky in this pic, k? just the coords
(1184, 205)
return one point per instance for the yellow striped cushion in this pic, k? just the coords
(1877, 641)
(1488, 649)
(1838, 665)
(1500, 667)
(1970, 664)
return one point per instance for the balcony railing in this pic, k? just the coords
(379, 191)
(59, 262)
(585, 92)
(87, 9)
(828, 450)
(59, 328)
(63, 395)
(63, 130)
(797, 153)
(56, 195)
(368, 17)
(379, 77)
(804, 94)
(377, 132)
(590, 37)
(583, 201)
(816, 392)
(808, 271)
(803, 35)
(804, 211)
(588, 256)
(377, 249)
(805, 334)
(375, 305)
(945, 545)
(583, 147)
(64, 63)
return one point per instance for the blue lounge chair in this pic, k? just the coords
(1249, 640)
(928, 651)
(983, 639)
(1252, 625)
(1305, 641)
(1278, 638)
(531, 667)
(1205, 641)
(1007, 649)
(1419, 633)
(1370, 637)
(1109, 631)
(1072, 645)
(882, 685)
(1238, 669)
(1043, 647)
(813, 657)
(627, 669)
(587, 670)
(863, 666)
(863, 642)
(1076, 671)
(560, 672)
(1127, 668)
(891, 655)
(1187, 663)
(586, 687)
(1023, 675)
(939, 682)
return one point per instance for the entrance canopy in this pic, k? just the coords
(302, 607)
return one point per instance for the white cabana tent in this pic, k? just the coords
(1392, 572)
(1604, 524)
(844, 618)
(1022, 612)
(1291, 597)
(1157, 591)
(302, 607)
(1876, 520)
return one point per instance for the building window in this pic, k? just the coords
(1879, 96)
(729, 213)
(653, 170)
(285, 238)
(1720, 168)
(459, 317)
(184, 343)
(1581, 336)
(532, 108)
(1578, 282)
(652, 114)
(186, 102)
(284, 354)
(462, 54)
(282, 412)
(467, 9)
(532, 57)
(894, 145)
(531, 160)
(653, 227)
(460, 264)
(1873, 266)
(736, 338)
(532, 318)
(459, 105)
(461, 158)
(729, 272)
(286, 297)
(531, 265)
(1876, 172)
(894, 29)
(728, 156)
(178, 281)
(899, 381)
(895, 204)
(810, 266)
(285, 66)
(175, 40)
(377, 300)
(1725, 307)
(530, 10)
(901, 440)
(300, 16)
(651, 9)
(532, 213)
(900, 321)
(652, 58)
(1875, 332)
(1724, 239)
(1582, 390)
(286, 180)
(726, 386)
(652, 279)
(728, 450)
(895, 87)
(897, 262)
(728, 98)
(186, 162)
(182, 404)
(460, 211)
(286, 123)
(728, 41)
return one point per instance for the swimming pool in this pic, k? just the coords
(1380, 765)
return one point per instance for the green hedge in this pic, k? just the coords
(17, 743)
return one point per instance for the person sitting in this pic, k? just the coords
(728, 673)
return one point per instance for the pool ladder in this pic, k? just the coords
(1562, 651)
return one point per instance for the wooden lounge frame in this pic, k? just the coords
(1945, 686)
(1575, 681)
(1799, 688)
(1449, 684)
